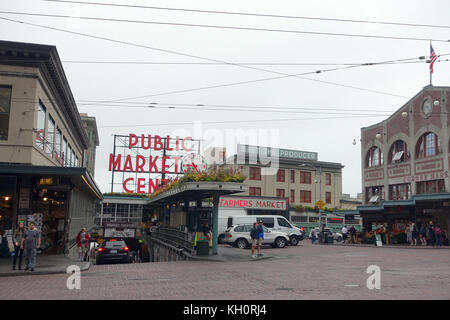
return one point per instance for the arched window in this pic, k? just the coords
(398, 152)
(374, 157)
(428, 145)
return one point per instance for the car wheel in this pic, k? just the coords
(294, 241)
(241, 243)
(280, 242)
(220, 238)
(339, 239)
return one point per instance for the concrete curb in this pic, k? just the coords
(60, 269)
(391, 247)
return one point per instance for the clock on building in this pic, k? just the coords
(193, 162)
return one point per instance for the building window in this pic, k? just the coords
(50, 135)
(292, 199)
(398, 152)
(428, 145)
(72, 158)
(433, 186)
(255, 173)
(328, 179)
(76, 161)
(305, 196)
(69, 156)
(5, 107)
(254, 191)
(58, 145)
(374, 194)
(281, 175)
(280, 193)
(40, 126)
(374, 157)
(292, 176)
(400, 191)
(327, 197)
(305, 177)
(64, 157)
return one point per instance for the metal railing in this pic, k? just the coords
(174, 236)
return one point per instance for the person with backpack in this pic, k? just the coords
(438, 235)
(254, 236)
(344, 234)
(423, 234)
(260, 236)
(431, 235)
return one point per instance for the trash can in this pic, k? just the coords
(330, 239)
(202, 247)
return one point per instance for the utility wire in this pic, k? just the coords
(227, 27)
(232, 121)
(284, 75)
(257, 14)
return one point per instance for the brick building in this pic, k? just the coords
(405, 163)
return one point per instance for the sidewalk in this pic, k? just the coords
(227, 253)
(45, 264)
(396, 246)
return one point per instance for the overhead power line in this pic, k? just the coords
(257, 14)
(283, 75)
(371, 36)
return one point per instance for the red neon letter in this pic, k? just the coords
(139, 165)
(132, 140)
(128, 166)
(125, 185)
(114, 165)
(149, 139)
(164, 165)
(140, 185)
(152, 187)
(184, 147)
(157, 141)
(152, 164)
(168, 148)
(177, 159)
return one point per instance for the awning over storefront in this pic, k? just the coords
(419, 198)
(79, 176)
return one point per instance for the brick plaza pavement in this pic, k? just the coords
(303, 272)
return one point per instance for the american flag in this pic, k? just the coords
(433, 58)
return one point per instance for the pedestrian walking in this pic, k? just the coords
(344, 234)
(438, 235)
(31, 241)
(313, 236)
(353, 234)
(260, 236)
(254, 236)
(423, 235)
(414, 234)
(431, 236)
(17, 238)
(82, 243)
(408, 233)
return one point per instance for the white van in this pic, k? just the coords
(276, 223)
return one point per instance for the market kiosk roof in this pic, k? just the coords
(191, 191)
(411, 202)
(79, 176)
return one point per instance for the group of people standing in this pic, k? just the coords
(430, 234)
(26, 241)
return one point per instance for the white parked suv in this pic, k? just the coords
(239, 236)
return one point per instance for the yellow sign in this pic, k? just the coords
(320, 204)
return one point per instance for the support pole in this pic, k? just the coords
(215, 230)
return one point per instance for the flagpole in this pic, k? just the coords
(431, 82)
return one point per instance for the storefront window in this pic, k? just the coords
(433, 186)
(69, 156)
(40, 126)
(374, 194)
(400, 191)
(5, 105)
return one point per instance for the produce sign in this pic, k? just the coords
(144, 163)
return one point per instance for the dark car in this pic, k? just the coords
(113, 250)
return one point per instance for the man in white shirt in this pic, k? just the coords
(344, 234)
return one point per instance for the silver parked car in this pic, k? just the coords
(336, 235)
(239, 236)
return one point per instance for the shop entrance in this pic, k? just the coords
(49, 214)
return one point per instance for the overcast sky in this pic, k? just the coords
(322, 132)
